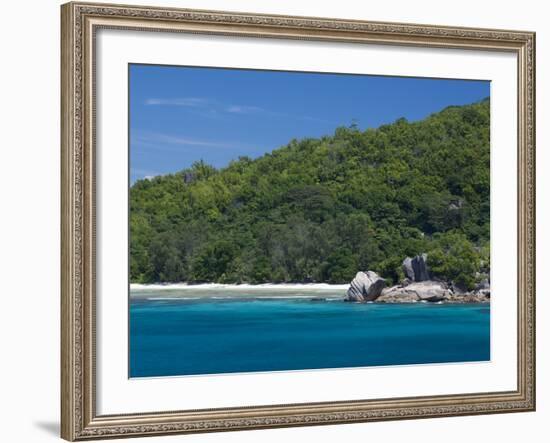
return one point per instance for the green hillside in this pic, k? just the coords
(319, 210)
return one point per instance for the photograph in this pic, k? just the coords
(286, 221)
(283, 217)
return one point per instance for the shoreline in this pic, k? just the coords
(219, 291)
(233, 286)
(269, 291)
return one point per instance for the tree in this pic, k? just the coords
(322, 209)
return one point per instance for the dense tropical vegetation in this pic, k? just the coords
(321, 209)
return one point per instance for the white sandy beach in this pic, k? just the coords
(216, 290)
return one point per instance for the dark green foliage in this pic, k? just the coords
(455, 258)
(322, 209)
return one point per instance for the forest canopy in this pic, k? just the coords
(319, 210)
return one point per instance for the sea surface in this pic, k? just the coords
(214, 331)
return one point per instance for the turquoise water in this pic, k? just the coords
(210, 336)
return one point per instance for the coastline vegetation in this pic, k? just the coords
(319, 210)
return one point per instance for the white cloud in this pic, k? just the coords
(191, 102)
(169, 142)
(240, 109)
(212, 108)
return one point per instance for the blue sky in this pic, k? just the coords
(179, 115)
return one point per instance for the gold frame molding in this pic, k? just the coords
(79, 22)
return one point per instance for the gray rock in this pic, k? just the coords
(365, 287)
(459, 289)
(483, 289)
(397, 294)
(484, 293)
(420, 267)
(416, 269)
(408, 268)
(483, 285)
(431, 291)
(471, 297)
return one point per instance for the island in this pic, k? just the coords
(318, 210)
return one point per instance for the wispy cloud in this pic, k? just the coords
(212, 108)
(170, 142)
(190, 102)
(240, 109)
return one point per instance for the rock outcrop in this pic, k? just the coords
(483, 285)
(432, 291)
(418, 286)
(471, 297)
(408, 268)
(458, 289)
(416, 268)
(366, 286)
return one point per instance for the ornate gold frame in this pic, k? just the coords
(80, 21)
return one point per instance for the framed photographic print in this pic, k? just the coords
(283, 221)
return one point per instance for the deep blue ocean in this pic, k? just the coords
(211, 336)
